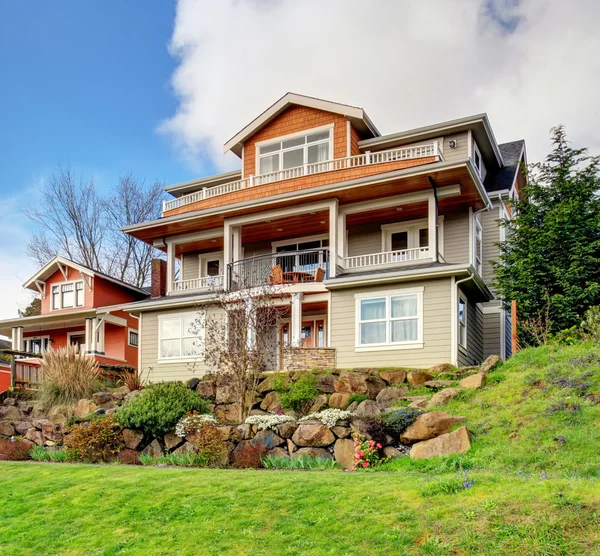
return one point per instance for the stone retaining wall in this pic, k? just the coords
(306, 358)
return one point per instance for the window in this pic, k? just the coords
(67, 295)
(78, 340)
(55, 297)
(478, 245)
(478, 161)
(133, 338)
(37, 345)
(308, 262)
(462, 321)
(295, 151)
(402, 237)
(211, 268)
(389, 320)
(179, 337)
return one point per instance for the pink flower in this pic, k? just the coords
(360, 454)
(365, 464)
(379, 445)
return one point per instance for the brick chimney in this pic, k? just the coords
(159, 278)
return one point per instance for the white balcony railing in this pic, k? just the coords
(197, 284)
(381, 157)
(388, 257)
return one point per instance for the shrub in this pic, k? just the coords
(68, 376)
(299, 462)
(358, 398)
(399, 420)
(297, 396)
(366, 452)
(329, 416)
(192, 422)
(590, 326)
(211, 445)
(158, 408)
(247, 455)
(375, 428)
(98, 440)
(266, 422)
(129, 457)
(14, 450)
(133, 380)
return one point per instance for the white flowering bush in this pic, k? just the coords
(266, 422)
(329, 416)
(192, 423)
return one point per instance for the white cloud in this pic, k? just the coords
(530, 64)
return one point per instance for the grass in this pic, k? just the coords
(299, 462)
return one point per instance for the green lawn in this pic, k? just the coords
(81, 509)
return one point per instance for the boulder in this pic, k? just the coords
(267, 439)
(339, 400)
(418, 377)
(320, 402)
(271, 402)
(287, 430)
(6, 429)
(185, 448)
(132, 395)
(11, 413)
(37, 412)
(359, 383)
(326, 383)
(441, 368)
(49, 430)
(207, 388)
(429, 425)
(443, 397)
(229, 413)
(154, 449)
(396, 376)
(26, 407)
(100, 411)
(192, 383)
(343, 452)
(111, 411)
(57, 417)
(312, 453)
(391, 452)
(22, 426)
(84, 408)
(438, 384)
(267, 384)
(108, 405)
(101, 398)
(258, 412)
(415, 398)
(341, 432)
(171, 441)
(118, 394)
(313, 434)
(244, 431)
(418, 404)
(225, 394)
(278, 453)
(367, 408)
(132, 438)
(352, 407)
(456, 442)
(291, 446)
(474, 381)
(9, 401)
(388, 396)
(490, 363)
(227, 431)
(35, 436)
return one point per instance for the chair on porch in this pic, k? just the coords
(319, 274)
(276, 276)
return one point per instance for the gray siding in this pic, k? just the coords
(364, 239)
(461, 151)
(507, 334)
(491, 236)
(473, 355)
(190, 266)
(436, 328)
(456, 237)
(492, 323)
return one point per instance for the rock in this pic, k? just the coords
(108, 405)
(429, 425)
(154, 449)
(291, 446)
(207, 388)
(26, 407)
(456, 442)
(312, 453)
(100, 411)
(391, 452)
(185, 448)
(352, 407)
(132, 438)
(271, 402)
(320, 402)
(415, 398)
(228, 413)
(227, 431)
(49, 430)
(192, 383)
(22, 426)
(362, 426)
(57, 418)
(278, 453)
(111, 411)
(258, 412)
(341, 432)
(35, 436)
(388, 396)
(267, 439)
(39, 423)
(343, 452)
(37, 412)
(418, 377)
(9, 401)
(83, 408)
(474, 381)
(6, 429)
(267, 384)
(287, 430)
(101, 398)
(393, 377)
(367, 408)
(326, 383)
(441, 368)
(359, 383)
(490, 363)
(11, 413)
(118, 394)
(171, 441)
(339, 400)
(443, 397)
(50, 443)
(309, 434)
(244, 431)
(132, 395)
(226, 393)
(418, 404)
(438, 384)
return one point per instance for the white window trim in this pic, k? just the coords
(417, 344)
(462, 347)
(181, 358)
(478, 152)
(129, 331)
(30, 338)
(478, 228)
(203, 259)
(60, 297)
(412, 227)
(258, 144)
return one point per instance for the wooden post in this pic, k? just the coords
(513, 325)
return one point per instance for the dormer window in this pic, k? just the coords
(295, 150)
(67, 295)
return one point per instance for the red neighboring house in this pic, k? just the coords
(76, 309)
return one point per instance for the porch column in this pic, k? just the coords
(88, 335)
(296, 318)
(227, 253)
(94, 342)
(236, 232)
(342, 243)
(170, 266)
(333, 238)
(251, 338)
(20, 339)
(432, 214)
(101, 330)
(15, 338)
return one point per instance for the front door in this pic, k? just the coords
(311, 335)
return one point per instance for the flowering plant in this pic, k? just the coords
(266, 422)
(192, 422)
(329, 416)
(366, 452)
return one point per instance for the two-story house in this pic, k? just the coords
(381, 244)
(73, 311)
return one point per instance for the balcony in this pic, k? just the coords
(204, 283)
(375, 260)
(367, 159)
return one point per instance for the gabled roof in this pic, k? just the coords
(52, 266)
(357, 116)
(503, 179)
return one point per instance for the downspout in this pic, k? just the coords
(455, 317)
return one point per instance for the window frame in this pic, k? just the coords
(204, 259)
(60, 285)
(388, 344)
(462, 325)
(42, 339)
(478, 251)
(137, 335)
(282, 138)
(180, 316)
(411, 227)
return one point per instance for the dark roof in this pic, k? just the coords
(505, 176)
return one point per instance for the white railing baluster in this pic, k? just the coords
(388, 257)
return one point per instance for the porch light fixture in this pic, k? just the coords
(322, 222)
(214, 240)
(398, 208)
(312, 213)
(280, 229)
(267, 221)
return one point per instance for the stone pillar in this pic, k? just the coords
(296, 318)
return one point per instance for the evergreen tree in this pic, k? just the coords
(33, 309)
(550, 260)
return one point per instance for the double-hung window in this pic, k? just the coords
(393, 319)
(296, 151)
(478, 245)
(180, 336)
(67, 295)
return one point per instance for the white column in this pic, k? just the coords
(341, 236)
(237, 243)
(296, 317)
(251, 337)
(94, 343)
(20, 340)
(170, 265)
(333, 238)
(227, 254)
(100, 346)
(15, 338)
(88, 335)
(432, 220)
